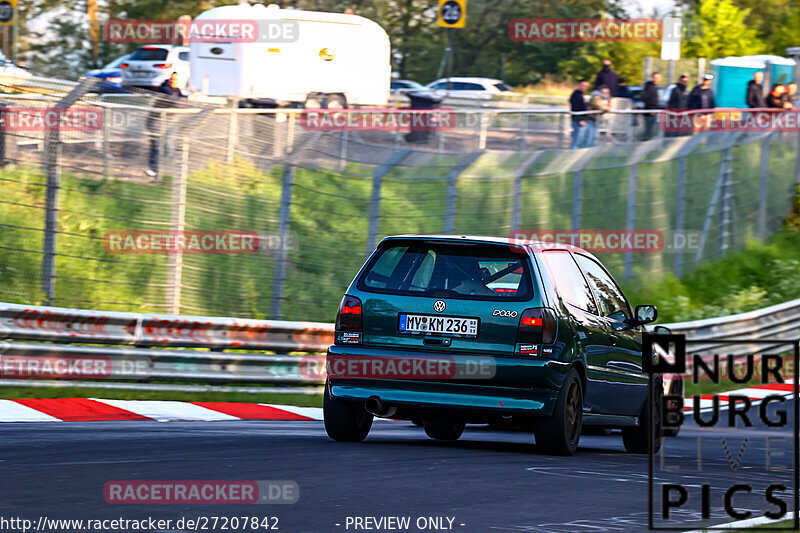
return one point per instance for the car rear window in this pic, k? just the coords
(442, 270)
(149, 54)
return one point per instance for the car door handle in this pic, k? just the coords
(613, 338)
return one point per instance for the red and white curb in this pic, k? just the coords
(91, 409)
(755, 394)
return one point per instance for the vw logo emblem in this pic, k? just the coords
(439, 306)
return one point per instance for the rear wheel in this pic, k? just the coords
(444, 429)
(559, 434)
(314, 101)
(345, 421)
(335, 101)
(635, 438)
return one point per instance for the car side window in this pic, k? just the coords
(183, 56)
(570, 283)
(608, 294)
(439, 86)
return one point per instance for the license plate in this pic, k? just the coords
(439, 325)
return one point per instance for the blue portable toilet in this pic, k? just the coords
(731, 75)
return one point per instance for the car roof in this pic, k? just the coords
(472, 79)
(531, 245)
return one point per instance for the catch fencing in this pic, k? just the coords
(165, 352)
(316, 202)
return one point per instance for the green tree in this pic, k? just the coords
(722, 31)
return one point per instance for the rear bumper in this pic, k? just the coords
(518, 385)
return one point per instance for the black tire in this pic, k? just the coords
(345, 421)
(444, 429)
(635, 438)
(560, 433)
(314, 101)
(335, 101)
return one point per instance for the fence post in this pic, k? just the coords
(178, 224)
(52, 156)
(343, 140)
(375, 199)
(282, 256)
(763, 189)
(452, 189)
(484, 125)
(561, 120)
(233, 135)
(523, 131)
(797, 165)
(577, 199)
(680, 206)
(726, 213)
(516, 200)
(630, 222)
(106, 141)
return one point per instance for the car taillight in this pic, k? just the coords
(163, 65)
(123, 65)
(348, 321)
(536, 326)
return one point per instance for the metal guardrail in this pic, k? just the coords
(105, 346)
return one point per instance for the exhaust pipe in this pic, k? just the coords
(375, 407)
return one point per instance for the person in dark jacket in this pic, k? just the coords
(755, 91)
(168, 93)
(650, 99)
(790, 99)
(678, 99)
(702, 97)
(577, 103)
(622, 89)
(607, 77)
(775, 98)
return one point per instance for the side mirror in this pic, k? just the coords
(662, 330)
(645, 314)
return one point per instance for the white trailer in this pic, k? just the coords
(334, 60)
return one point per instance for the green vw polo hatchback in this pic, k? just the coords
(452, 330)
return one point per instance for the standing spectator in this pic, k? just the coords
(576, 105)
(622, 89)
(168, 94)
(650, 99)
(775, 97)
(599, 101)
(755, 91)
(607, 77)
(702, 97)
(790, 98)
(678, 99)
(679, 96)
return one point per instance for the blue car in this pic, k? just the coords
(111, 76)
